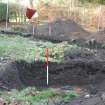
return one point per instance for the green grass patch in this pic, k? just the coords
(33, 96)
(20, 48)
(69, 96)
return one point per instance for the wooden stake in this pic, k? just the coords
(49, 23)
(33, 30)
(49, 29)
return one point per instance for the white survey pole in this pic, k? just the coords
(49, 25)
(7, 14)
(47, 75)
(34, 18)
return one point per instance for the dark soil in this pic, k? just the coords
(98, 36)
(62, 30)
(85, 67)
(93, 100)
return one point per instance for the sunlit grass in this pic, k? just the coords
(20, 48)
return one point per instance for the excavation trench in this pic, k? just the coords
(16, 74)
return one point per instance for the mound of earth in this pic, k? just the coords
(84, 54)
(62, 30)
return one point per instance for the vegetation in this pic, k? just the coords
(93, 1)
(86, 16)
(20, 48)
(57, 52)
(32, 96)
(3, 10)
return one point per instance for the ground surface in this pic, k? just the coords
(80, 68)
(22, 64)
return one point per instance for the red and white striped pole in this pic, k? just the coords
(46, 61)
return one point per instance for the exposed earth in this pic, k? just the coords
(84, 68)
(61, 30)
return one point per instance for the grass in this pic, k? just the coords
(33, 96)
(69, 96)
(20, 48)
